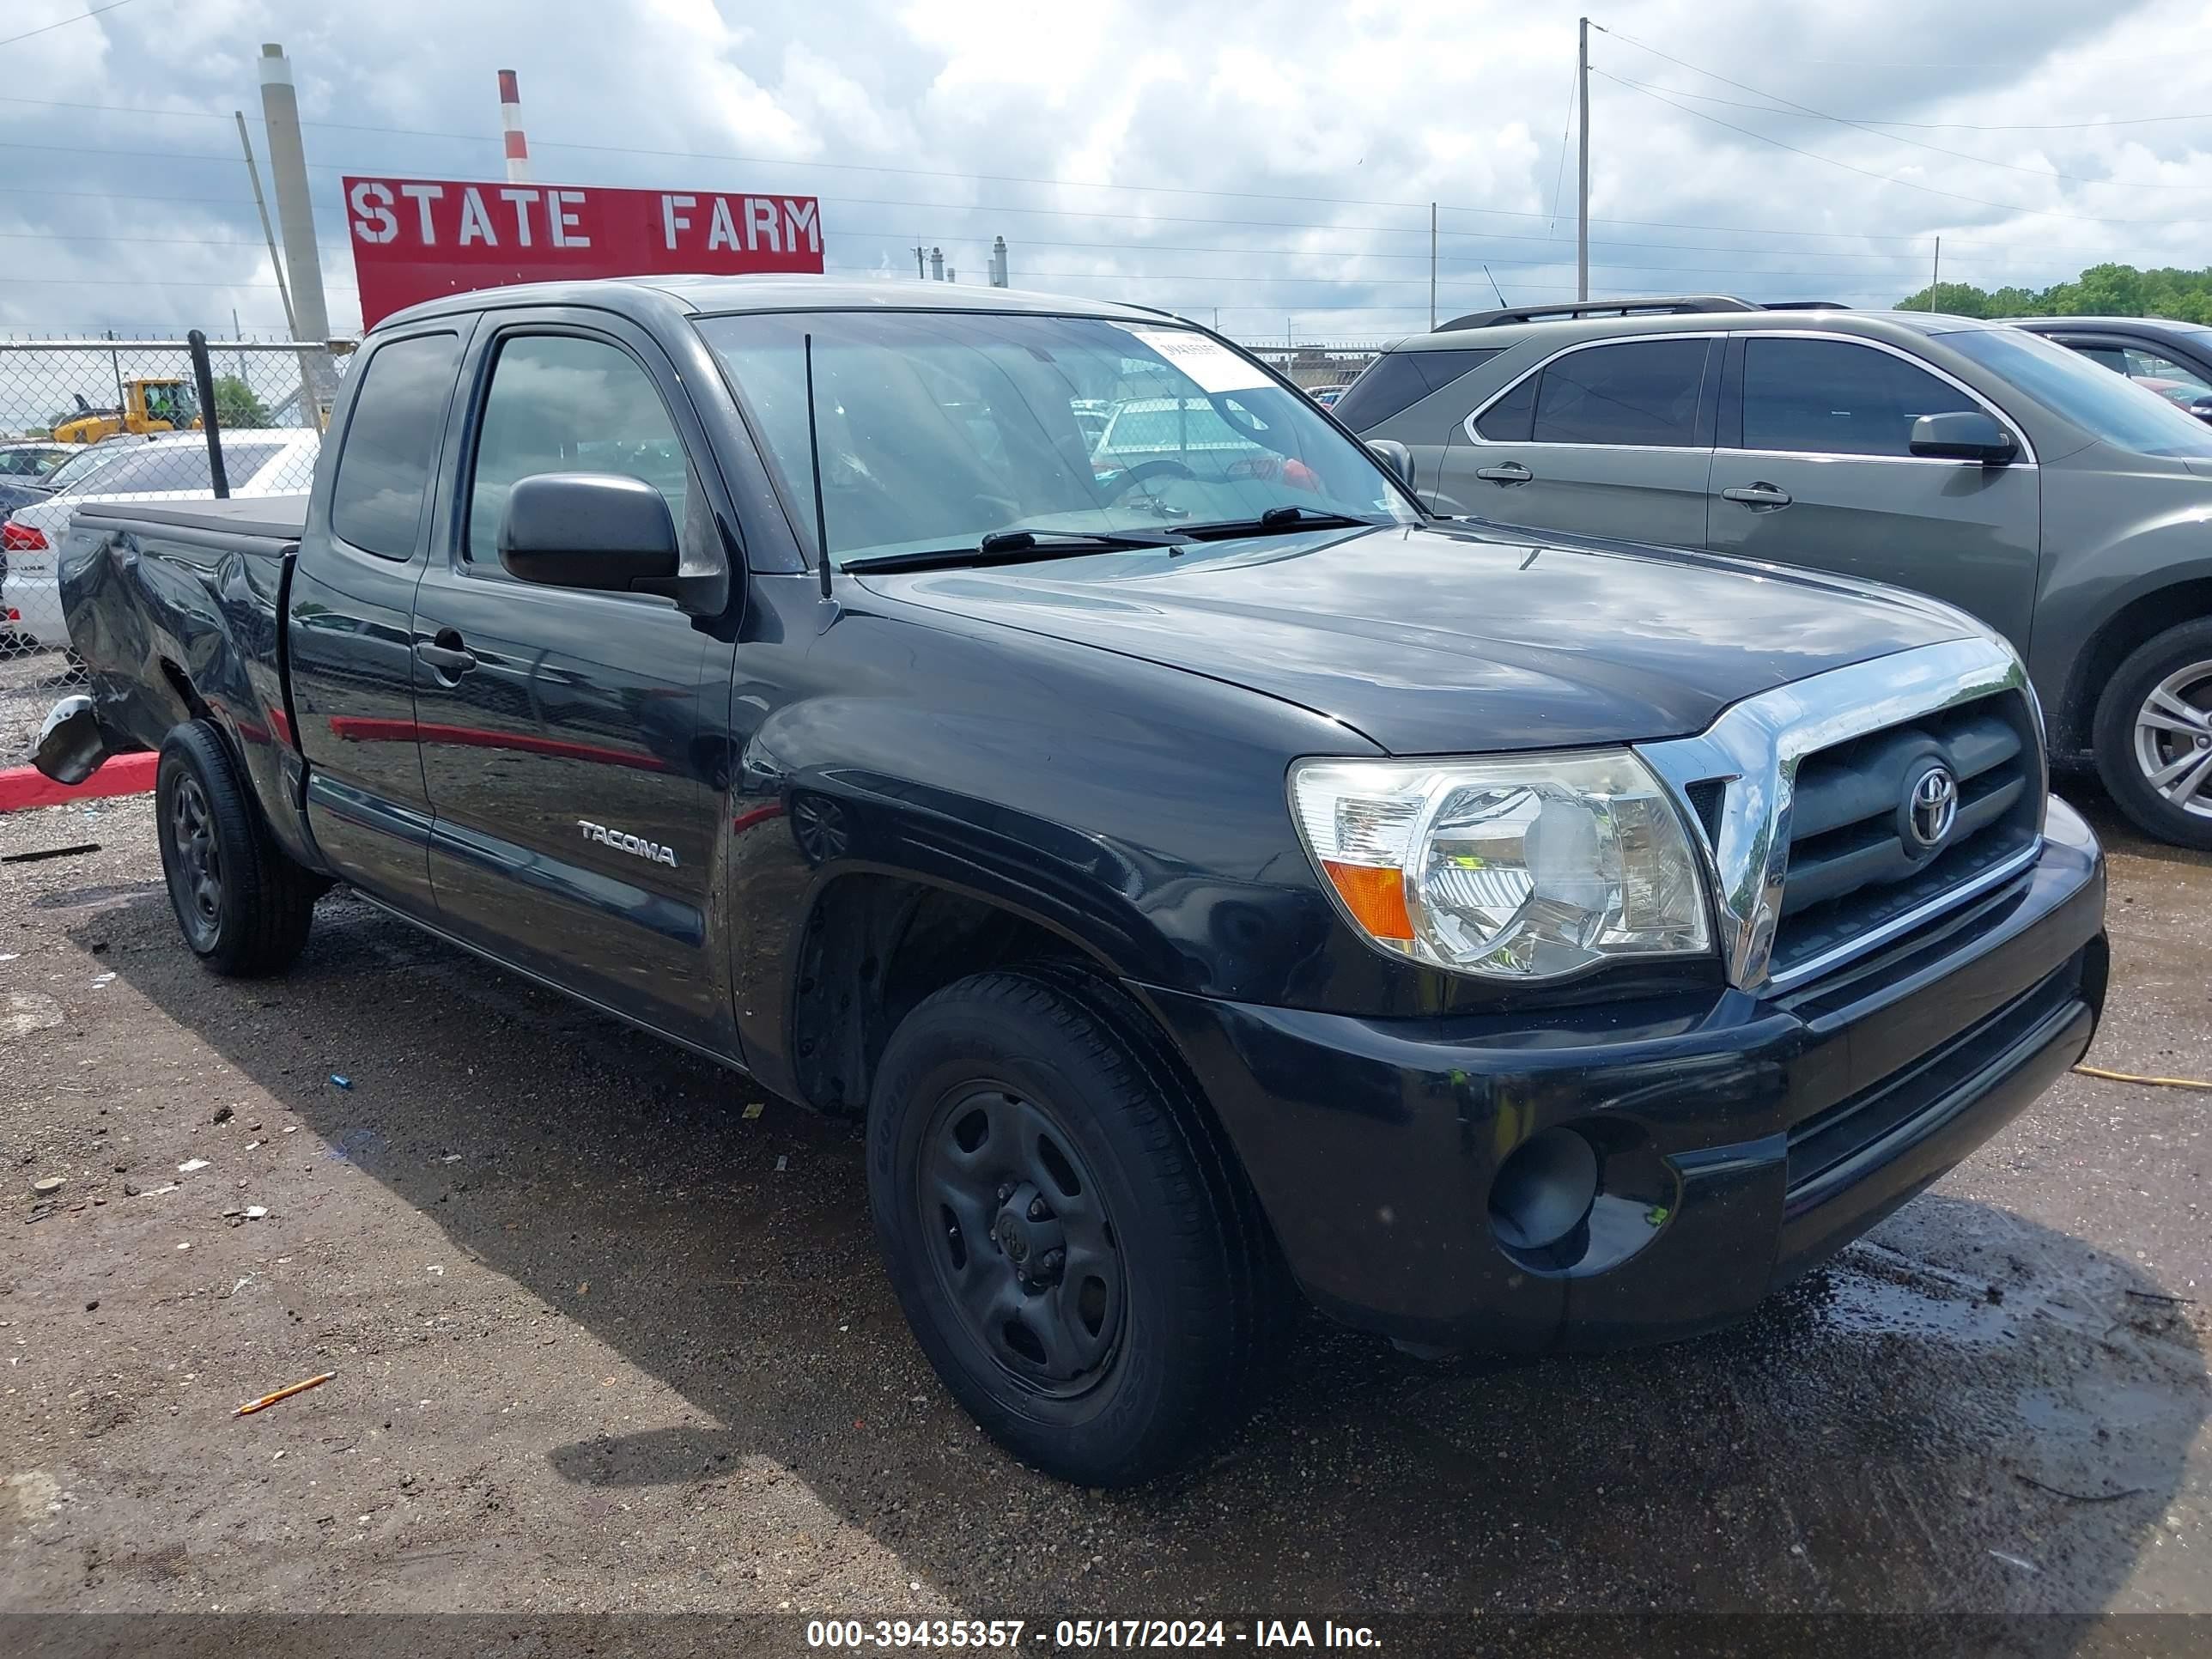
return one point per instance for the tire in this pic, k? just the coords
(243, 907)
(1019, 1115)
(2155, 716)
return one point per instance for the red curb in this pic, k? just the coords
(23, 786)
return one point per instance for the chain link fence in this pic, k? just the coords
(90, 420)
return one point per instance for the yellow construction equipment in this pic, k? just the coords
(148, 406)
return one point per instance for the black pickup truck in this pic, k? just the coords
(1219, 883)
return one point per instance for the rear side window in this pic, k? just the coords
(1833, 398)
(1639, 391)
(390, 443)
(1513, 417)
(1397, 382)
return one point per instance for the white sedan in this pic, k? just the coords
(256, 462)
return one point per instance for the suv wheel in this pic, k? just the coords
(1078, 1257)
(2153, 735)
(244, 907)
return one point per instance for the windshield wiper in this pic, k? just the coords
(1019, 546)
(1276, 519)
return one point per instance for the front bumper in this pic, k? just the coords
(1740, 1139)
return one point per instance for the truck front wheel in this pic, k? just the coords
(1079, 1257)
(244, 907)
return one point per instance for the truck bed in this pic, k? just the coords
(279, 518)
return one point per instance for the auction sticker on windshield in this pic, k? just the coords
(1213, 365)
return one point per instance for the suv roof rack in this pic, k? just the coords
(1805, 304)
(1660, 304)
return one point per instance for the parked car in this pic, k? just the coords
(24, 468)
(1972, 461)
(2172, 359)
(80, 463)
(1208, 886)
(1326, 396)
(258, 462)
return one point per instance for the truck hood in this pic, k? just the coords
(1440, 641)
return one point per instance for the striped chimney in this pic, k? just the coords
(510, 122)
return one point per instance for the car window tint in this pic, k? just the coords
(1834, 397)
(157, 467)
(1639, 391)
(1395, 383)
(563, 404)
(1512, 417)
(391, 443)
(2106, 356)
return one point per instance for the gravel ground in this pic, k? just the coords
(604, 1342)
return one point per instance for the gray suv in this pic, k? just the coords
(2065, 506)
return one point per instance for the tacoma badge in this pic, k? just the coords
(627, 843)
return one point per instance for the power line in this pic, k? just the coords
(1793, 107)
(112, 5)
(1885, 179)
(1926, 126)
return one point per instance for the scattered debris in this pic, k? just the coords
(2015, 1561)
(450, 1158)
(43, 853)
(191, 1164)
(755, 1109)
(782, 1161)
(2148, 1082)
(223, 1115)
(186, 1245)
(92, 1306)
(2160, 1296)
(99, 980)
(340, 1080)
(269, 1399)
(48, 1184)
(130, 1189)
(255, 1211)
(437, 1268)
(29, 1011)
(251, 1145)
(291, 1128)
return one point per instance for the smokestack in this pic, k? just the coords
(510, 124)
(937, 265)
(998, 262)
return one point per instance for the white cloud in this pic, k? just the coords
(1295, 145)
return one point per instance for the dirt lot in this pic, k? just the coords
(602, 1342)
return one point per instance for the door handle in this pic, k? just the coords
(1758, 495)
(444, 656)
(1508, 472)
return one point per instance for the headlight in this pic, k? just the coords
(1520, 867)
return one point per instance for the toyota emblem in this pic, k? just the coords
(1932, 808)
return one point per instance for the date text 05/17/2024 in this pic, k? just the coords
(1085, 1634)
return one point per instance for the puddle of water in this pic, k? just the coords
(1863, 1304)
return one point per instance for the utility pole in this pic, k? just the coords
(1935, 275)
(921, 262)
(1432, 267)
(267, 235)
(295, 217)
(1582, 175)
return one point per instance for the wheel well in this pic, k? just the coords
(2133, 622)
(195, 705)
(875, 946)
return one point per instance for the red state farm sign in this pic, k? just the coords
(415, 239)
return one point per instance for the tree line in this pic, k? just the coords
(2100, 291)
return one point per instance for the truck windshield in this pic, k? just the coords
(2111, 407)
(937, 428)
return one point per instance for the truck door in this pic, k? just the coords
(576, 811)
(1815, 468)
(352, 667)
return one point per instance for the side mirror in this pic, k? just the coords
(1395, 456)
(2200, 407)
(600, 531)
(1964, 435)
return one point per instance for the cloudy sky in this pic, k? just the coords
(1273, 162)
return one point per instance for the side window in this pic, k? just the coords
(391, 443)
(1835, 398)
(2104, 356)
(1639, 391)
(1395, 383)
(2147, 365)
(562, 403)
(156, 467)
(1512, 417)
